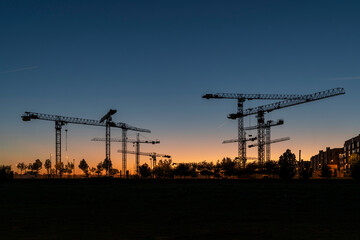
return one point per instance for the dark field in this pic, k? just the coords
(179, 209)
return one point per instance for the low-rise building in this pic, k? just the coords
(329, 157)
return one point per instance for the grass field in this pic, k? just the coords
(179, 209)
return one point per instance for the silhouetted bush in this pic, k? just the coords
(305, 173)
(305, 170)
(325, 171)
(182, 170)
(251, 168)
(355, 166)
(5, 172)
(206, 173)
(228, 167)
(271, 168)
(144, 170)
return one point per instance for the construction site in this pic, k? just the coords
(176, 120)
(262, 140)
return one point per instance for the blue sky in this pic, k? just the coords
(152, 61)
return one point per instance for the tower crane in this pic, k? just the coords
(267, 144)
(241, 98)
(61, 121)
(261, 110)
(136, 142)
(268, 125)
(153, 155)
(272, 141)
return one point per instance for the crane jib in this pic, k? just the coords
(27, 116)
(288, 103)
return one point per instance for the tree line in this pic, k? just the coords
(62, 168)
(286, 168)
(105, 165)
(35, 167)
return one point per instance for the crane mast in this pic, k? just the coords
(108, 120)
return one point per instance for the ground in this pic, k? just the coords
(179, 209)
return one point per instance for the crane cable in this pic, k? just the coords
(66, 139)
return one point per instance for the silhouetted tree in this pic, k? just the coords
(84, 167)
(205, 168)
(99, 168)
(47, 165)
(69, 167)
(107, 165)
(325, 171)
(92, 170)
(355, 165)
(193, 172)
(217, 169)
(206, 173)
(164, 169)
(29, 168)
(287, 165)
(271, 168)
(113, 171)
(35, 167)
(251, 168)
(21, 167)
(228, 166)
(144, 170)
(59, 166)
(5, 172)
(182, 170)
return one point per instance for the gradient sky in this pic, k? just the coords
(153, 60)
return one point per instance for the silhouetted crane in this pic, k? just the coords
(136, 142)
(61, 121)
(267, 143)
(272, 141)
(241, 98)
(268, 125)
(261, 110)
(153, 155)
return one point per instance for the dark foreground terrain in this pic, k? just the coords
(179, 209)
